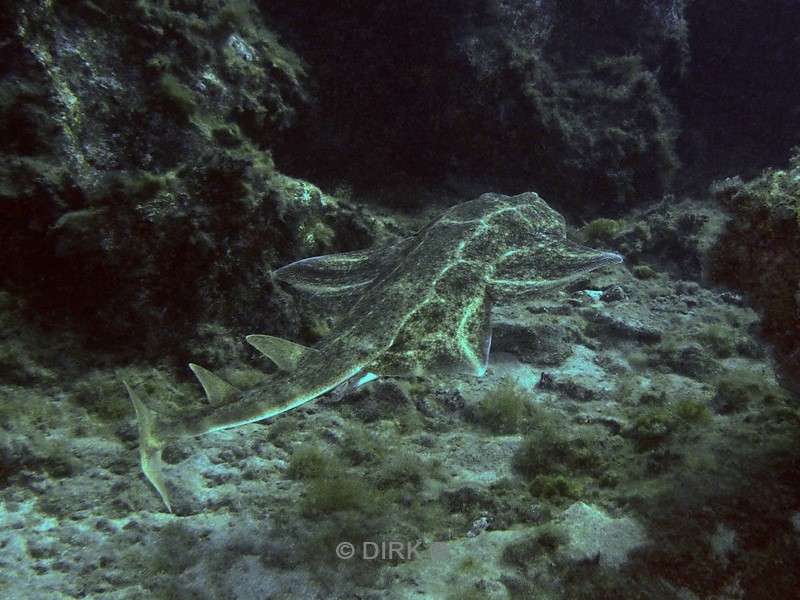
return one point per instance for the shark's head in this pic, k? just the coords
(537, 255)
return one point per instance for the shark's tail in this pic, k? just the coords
(150, 446)
(155, 430)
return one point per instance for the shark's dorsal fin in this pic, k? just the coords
(283, 353)
(217, 389)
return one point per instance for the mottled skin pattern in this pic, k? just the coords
(419, 306)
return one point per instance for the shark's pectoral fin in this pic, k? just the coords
(330, 274)
(454, 341)
(150, 447)
(283, 353)
(344, 388)
(527, 272)
(217, 389)
(331, 281)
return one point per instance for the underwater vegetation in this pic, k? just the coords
(557, 462)
(596, 128)
(759, 254)
(156, 124)
(145, 202)
(644, 272)
(740, 389)
(546, 539)
(506, 408)
(660, 418)
(360, 490)
(600, 231)
(719, 339)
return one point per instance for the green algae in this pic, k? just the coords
(740, 389)
(759, 254)
(600, 231)
(506, 407)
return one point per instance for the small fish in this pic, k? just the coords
(416, 307)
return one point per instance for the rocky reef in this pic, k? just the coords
(579, 95)
(759, 254)
(635, 435)
(139, 191)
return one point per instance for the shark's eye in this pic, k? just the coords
(545, 236)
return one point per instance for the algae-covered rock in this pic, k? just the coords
(138, 189)
(759, 254)
(594, 535)
(515, 94)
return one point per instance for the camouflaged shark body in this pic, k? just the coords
(416, 307)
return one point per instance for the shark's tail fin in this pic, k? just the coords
(150, 446)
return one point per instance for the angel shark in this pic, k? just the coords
(419, 306)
